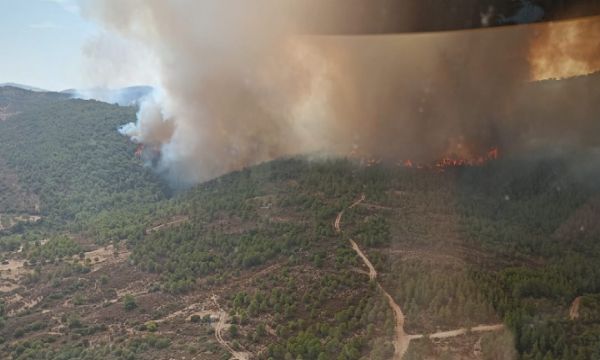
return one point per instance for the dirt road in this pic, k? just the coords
(338, 219)
(178, 220)
(402, 339)
(574, 310)
(222, 325)
(458, 332)
(372, 271)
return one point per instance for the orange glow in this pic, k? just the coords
(454, 161)
(565, 49)
(139, 150)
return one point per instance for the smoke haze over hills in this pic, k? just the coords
(243, 83)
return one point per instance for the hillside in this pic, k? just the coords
(22, 86)
(294, 258)
(127, 96)
(62, 160)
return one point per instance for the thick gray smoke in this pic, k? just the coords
(244, 82)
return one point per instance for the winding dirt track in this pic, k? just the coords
(338, 219)
(458, 332)
(177, 221)
(402, 339)
(372, 271)
(222, 325)
(574, 309)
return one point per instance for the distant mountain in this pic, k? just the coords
(22, 86)
(15, 99)
(126, 96)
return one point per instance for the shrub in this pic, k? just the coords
(151, 326)
(129, 302)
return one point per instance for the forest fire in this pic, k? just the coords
(451, 161)
(148, 154)
(565, 49)
(492, 154)
(139, 150)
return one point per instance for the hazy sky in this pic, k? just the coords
(41, 42)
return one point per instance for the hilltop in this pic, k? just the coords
(126, 96)
(23, 87)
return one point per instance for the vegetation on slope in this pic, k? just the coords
(514, 241)
(69, 155)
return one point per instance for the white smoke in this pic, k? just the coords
(154, 126)
(241, 82)
(237, 87)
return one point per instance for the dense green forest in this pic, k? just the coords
(68, 155)
(539, 243)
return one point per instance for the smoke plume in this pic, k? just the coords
(566, 49)
(243, 82)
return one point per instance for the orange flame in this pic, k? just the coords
(449, 162)
(565, 49)
(139, 150)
